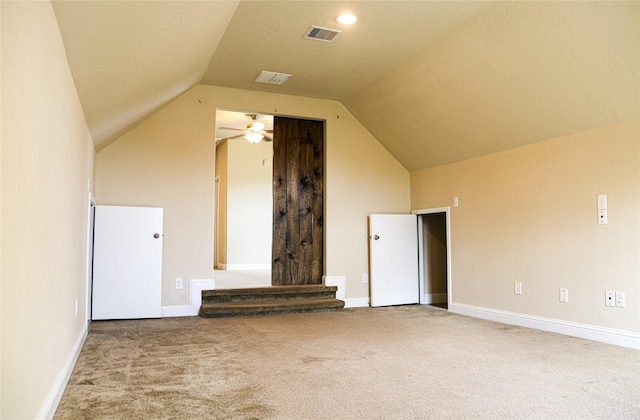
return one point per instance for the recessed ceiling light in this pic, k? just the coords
(347, 19)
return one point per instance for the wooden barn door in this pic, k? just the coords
(298, 189)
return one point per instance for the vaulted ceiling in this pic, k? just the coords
(434, 81)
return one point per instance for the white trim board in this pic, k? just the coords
(339, 281)
(196, 286)
(50, 405)
(356, 302)
(590, 332)
(239, 267)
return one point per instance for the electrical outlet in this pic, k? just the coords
(517, 287)
(365, 278)
(564, 295)
(610, 298)
(620, 299)
(602, 217)
(178, 283)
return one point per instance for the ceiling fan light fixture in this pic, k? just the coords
(254, 137)
(256, 126)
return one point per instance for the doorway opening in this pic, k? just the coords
(434, 251)
(243, 200)
(269, 197)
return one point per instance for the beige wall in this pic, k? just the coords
(167, 161)
(47, 158)
(529, 215)
(249, 203)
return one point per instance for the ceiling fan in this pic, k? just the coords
(254, 132)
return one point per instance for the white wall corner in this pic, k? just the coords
(50, 405)
(590, 332)
(339, 281)
(196, 286)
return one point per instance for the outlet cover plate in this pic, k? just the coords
(610, 298)
(564, 295)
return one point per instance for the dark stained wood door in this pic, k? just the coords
(298, 201)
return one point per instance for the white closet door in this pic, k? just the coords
(394, 259)
(127, 265)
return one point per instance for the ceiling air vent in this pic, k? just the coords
(272, 78)
(321, 34)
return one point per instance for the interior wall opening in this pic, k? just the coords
(434, 259)
(243, 199)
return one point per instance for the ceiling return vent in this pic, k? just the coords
(272, 78)
(321, 34)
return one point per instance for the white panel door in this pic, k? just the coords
(127, 264)
(393, 247)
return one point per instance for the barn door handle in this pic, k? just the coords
(376, 237)
(156, 235)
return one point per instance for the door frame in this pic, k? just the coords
(436, 210)
(324, 175)
(89, 283)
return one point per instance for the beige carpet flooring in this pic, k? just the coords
(407, 362)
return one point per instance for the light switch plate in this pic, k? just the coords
(602, 201)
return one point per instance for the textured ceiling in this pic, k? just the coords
(128, 58)
(435, 82)
(515, 74)
(387, 33)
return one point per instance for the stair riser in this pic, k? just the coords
(227, 314)
(266, 297)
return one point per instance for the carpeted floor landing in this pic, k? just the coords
(404, 362)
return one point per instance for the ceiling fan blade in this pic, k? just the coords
(267, 138)
(229, 128)
(267, 131)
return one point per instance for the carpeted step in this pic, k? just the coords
(268, 307)
(273, 293)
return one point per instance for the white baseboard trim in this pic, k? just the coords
(236, 267)
(434, 298)
(340, 281)
(356, 302)
(50, 405)
(196, 286)
(590, 332)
